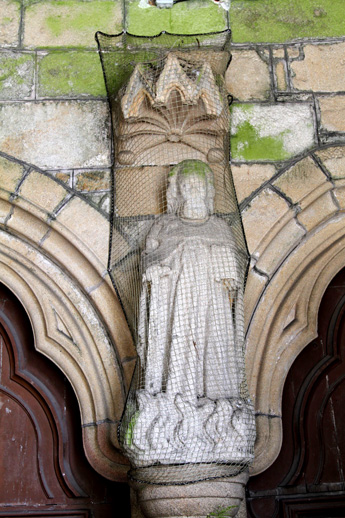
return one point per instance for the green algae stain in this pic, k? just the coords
(192, 17)
(16, 75)
(70, 73)
(11, 68)
(283, 20)
(130, 430)
(80, 16)
(247, 144)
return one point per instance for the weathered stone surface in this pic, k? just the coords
(249, 177)
(279, 21)
(281, 75)
(47, 197)
(56, 135)
(334, 160)
(267, 208)
(280, 246)
(16, 75)
(278, 53)
(196, 500)
(247, 77)
(270, 132)
(5, 211)
(319, 210)
(72, 23)
(69, 74)
(89, 227)
(64, 176)
(9, 22)
(93, 180)
(322, 70)
(140, 190)
(294, 52)
(192, 17)
(333, 112)
(255, 285)
(10, 174)
(339, 192)
(300, 180)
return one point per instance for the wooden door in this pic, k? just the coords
(43, 469)
(308, 478)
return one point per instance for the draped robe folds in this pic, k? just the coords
(190, 329)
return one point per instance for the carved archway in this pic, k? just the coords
(285, 297)
(53, 256)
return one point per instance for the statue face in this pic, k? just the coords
(193, 188)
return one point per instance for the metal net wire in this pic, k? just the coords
(178, 257)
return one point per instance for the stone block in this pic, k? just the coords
(9, 22)
(318, 211)
(270, 132)
(192, 17)
(89, 227)
(69, 74)
(334, 160)
(300, 180)
(92, 180)
(322, 69)
(10, 174)
(5, 211)
(247, 77)
(64, 176)
(70, 23)
(22, 220)
(249, 177)
(279, 53)
(280, 247)
(255, 286)
(56, 135)
(333, 112)
(294, 52)
(339, 192)
(266, 208)
(42, 191)
(16, 75)
(279, 21)
(140, 191)
(281, 76)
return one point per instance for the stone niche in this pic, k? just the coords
(178, 262)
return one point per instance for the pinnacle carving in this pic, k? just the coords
(178, 112)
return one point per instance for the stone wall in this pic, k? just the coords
(287, 155)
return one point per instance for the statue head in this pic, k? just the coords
(187, 179)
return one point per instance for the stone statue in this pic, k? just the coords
(190, 333)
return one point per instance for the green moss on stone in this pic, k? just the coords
(80, 16)
(70, 73)
(16, 75)
(283, 20)
(192, 17)
(246, 144)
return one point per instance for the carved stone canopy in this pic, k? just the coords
(171, 113)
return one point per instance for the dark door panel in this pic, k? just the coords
(43, 469)
(307, 479)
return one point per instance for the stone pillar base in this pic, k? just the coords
(196, 500)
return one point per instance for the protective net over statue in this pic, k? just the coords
(178, 258)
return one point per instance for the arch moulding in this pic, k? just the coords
(59, 274)
(286, 304)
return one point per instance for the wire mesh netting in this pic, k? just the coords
(178, 257)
